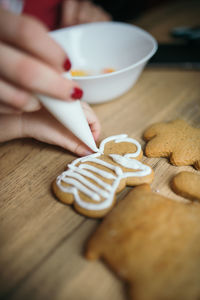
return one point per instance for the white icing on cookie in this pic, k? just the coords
(133, 164)
(103, 193)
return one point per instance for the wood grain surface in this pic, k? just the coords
(42, 240)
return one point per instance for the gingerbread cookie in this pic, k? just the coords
(176, 140)
(187, 184)
(90, 183)
(152, 243)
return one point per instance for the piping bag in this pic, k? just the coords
(71, 115)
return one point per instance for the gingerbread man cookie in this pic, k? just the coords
(176, 140)
(90, 183)
(152, 243)
(187, 184)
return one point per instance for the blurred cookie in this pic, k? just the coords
(90, 183)
(152, 243)
(187, 184)
(176, 140)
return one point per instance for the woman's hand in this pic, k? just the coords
(30, 62)
(77, 12)
(44, 127)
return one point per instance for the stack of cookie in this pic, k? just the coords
(150, 241)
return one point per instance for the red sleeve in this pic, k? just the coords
(47, 11)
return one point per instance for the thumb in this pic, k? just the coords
(44, 127)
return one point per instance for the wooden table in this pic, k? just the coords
(41, 240)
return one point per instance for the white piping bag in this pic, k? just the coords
(71, 115)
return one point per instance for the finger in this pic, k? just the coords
(31, 35)
(85, 12)
(73, 144)
(70, 11)
(10, 127)
(100, 15)
(90, 12)
(17, 98)
(44, 127)
(92, 120)
(35, 76)
(6, 109)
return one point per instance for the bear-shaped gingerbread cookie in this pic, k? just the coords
(90, 183)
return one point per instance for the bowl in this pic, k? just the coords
(116, 46)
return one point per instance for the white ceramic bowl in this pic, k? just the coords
(95, 46)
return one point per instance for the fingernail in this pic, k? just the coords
(32, 105)
(76, 93)
(88, 152)
(67, 65)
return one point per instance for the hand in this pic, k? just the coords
(77, 12)
(30, 62)
(44, 127)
